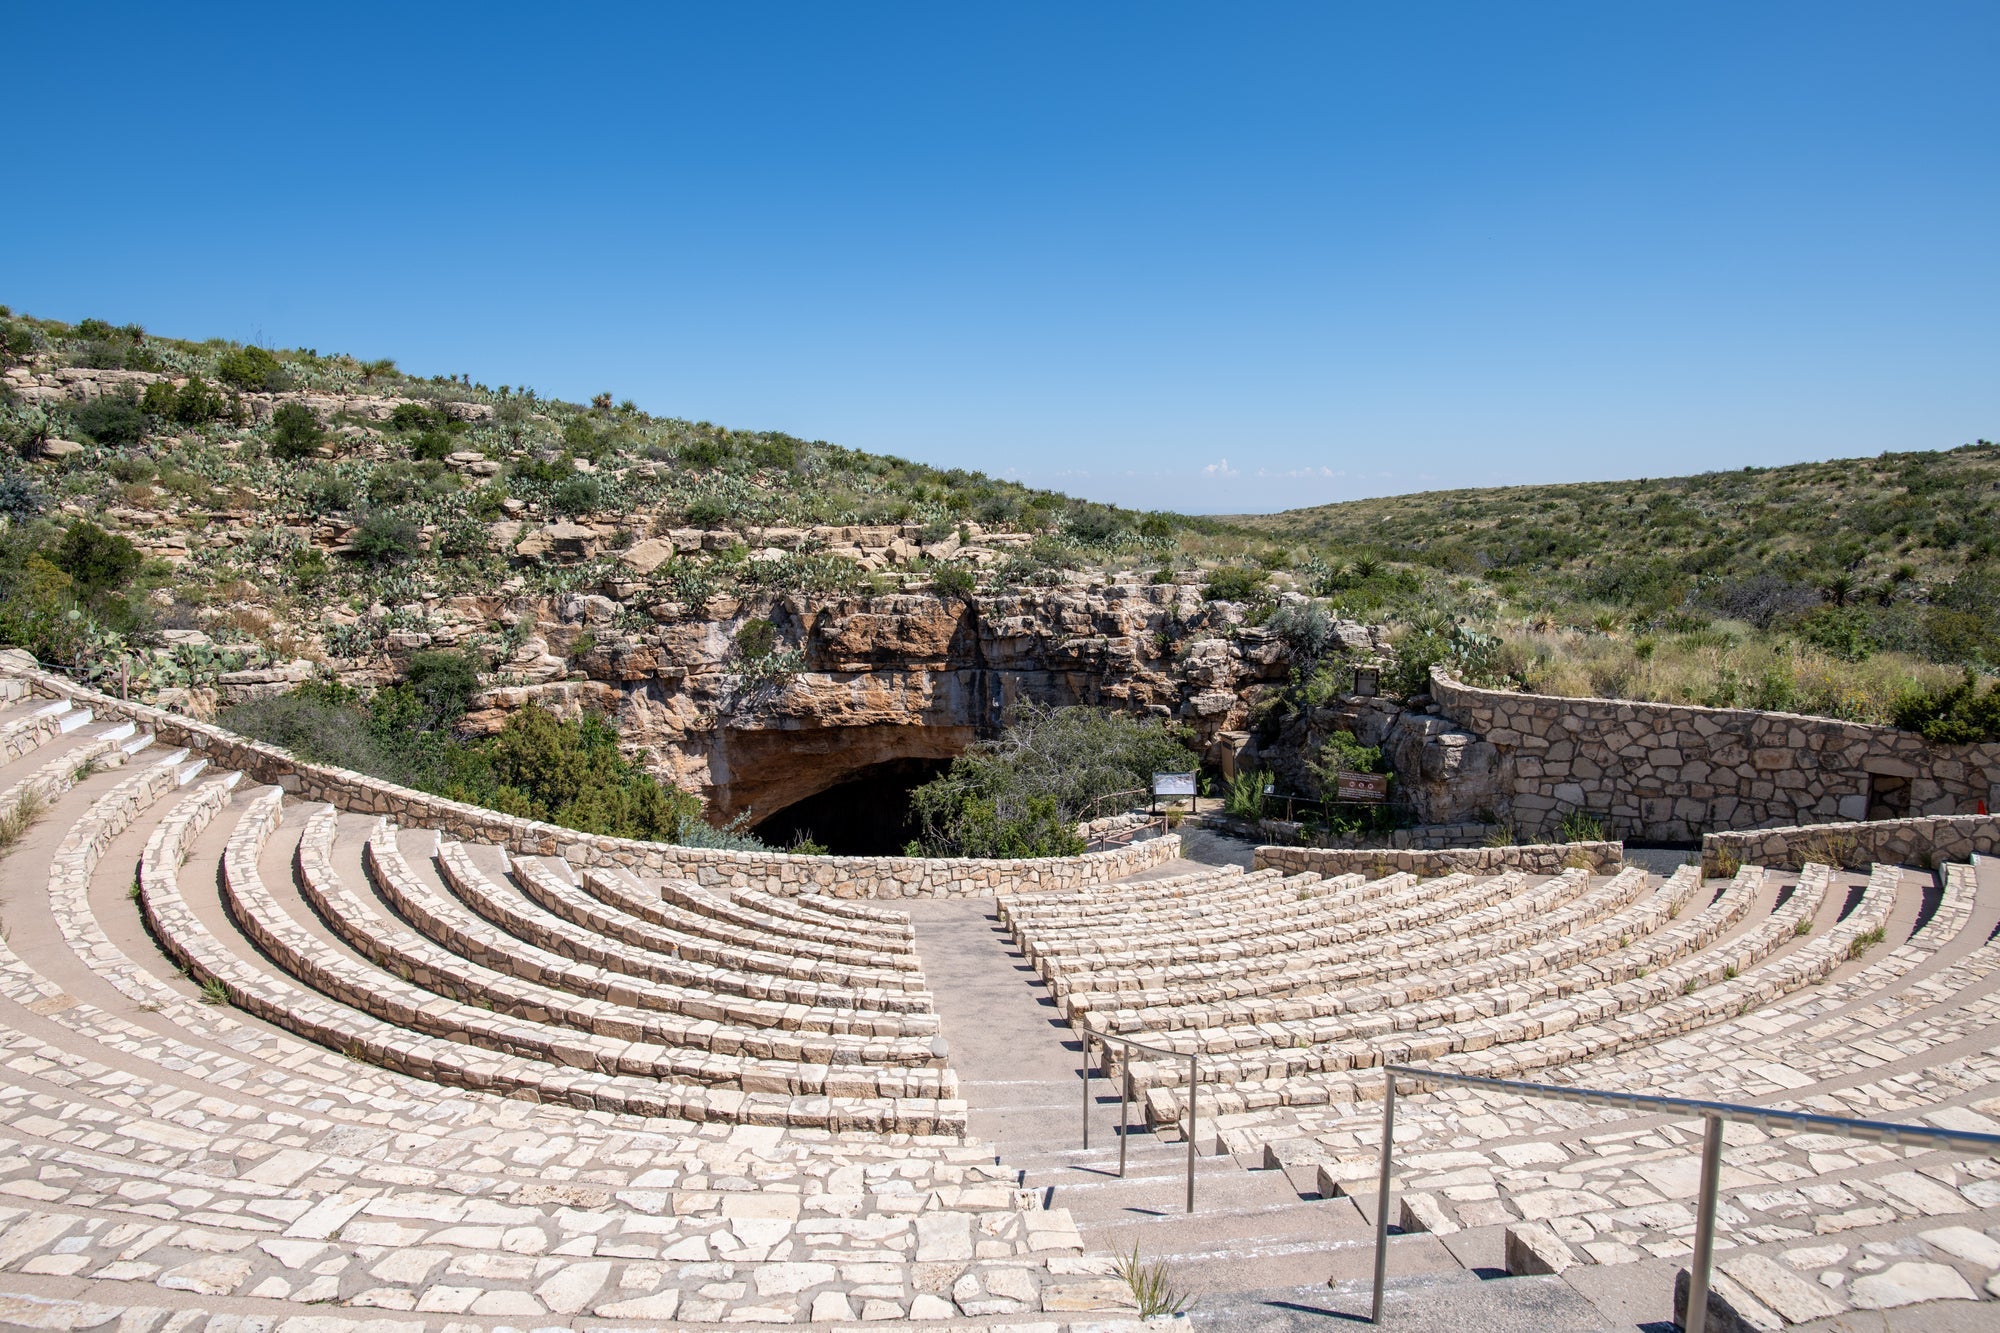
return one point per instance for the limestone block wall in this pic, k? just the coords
(1904, 842)
(1675, 772)
(1540, 859)
(773, 872)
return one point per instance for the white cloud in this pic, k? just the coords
(1220, 468)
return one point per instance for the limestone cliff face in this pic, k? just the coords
(874, 679)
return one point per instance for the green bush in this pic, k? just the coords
(955, 580)
(96, 560)
(295, 432)
(578, 494)
(704, 453)
(113, 419)
(253, 370)
(196, 403)
(1955, 714)
(1235, 583)
(1022, 794)
(20, 498)
(443, 683)
(17, 341)
(1243, 794)
(756, 639)
(385, 538)
(431, 446)
(708, 513)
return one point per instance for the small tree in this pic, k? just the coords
(95, 560)
(295, 432)
(386, 538)
(253, 370)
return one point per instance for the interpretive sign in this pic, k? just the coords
(1372, 788)
(1173, 784)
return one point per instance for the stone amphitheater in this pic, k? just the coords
(292, 1049)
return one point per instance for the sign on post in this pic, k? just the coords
(1367, 788)
(1173, 784)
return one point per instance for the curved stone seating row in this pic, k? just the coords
(1098, 897)
(397, 949)
(855, 915)
(523, 917)
(1449, 899)
(1515, 1014)
(1283, 909)
(768, 917)
(688, 914)
(1187, 895)
(552, 891)
(342, 1010)
(447, 921)
(1449, 999)
(1711, 988)
(1545, 913)
(1464, 966)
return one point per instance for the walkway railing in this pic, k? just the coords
(1715, 1113)
(1125, 1097)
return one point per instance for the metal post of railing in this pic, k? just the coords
(1194, 1092)
(1124, 1112)
(1704, 1228)
(1086, 1088)
(1382, 1197)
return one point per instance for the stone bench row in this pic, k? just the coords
(777, 919)
(344, 1028)
(1269, 900)
(508, 908)
(1549, 911)
(1303, 962)
(447, 921)
(549, 885)
(1043, 912)
(1467, 963)
(404, 1003)
(1522, 1011)
(696, 920)
(1414, 904)
(1482, 992)
(392, 946)
(1641, 1013)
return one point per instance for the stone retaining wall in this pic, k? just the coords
(773, 872)
(1674, 772)
(1421, 837)
(1928, 841)
(1541, 859)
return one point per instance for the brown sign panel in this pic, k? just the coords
(1371, 787)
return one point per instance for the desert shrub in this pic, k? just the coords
(307, 568)
(253, 370)
(443, 684)
(20, 498)
(756, 640)
(386, 538)
(431, 446)
(1235, 583)
(195, 403)
(330, 492)
(1022, 794)
(579, 493)
(778, 452)
(1581, 826)
(113, 419)
(704, 453)
(295, 432)
(1243, 795)
(955, 580)
(708, 512)
(17, 341)
(95, 560)
(1954, 713)
(1305, 627)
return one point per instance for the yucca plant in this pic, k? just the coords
(1152, 1284)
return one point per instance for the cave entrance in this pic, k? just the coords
(868, 814)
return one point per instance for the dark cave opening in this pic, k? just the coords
(867, 815)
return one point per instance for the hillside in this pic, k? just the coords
(184, 515)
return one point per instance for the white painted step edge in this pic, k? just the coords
(71, 721)
(122, 731)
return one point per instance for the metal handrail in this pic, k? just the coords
(1715, 1113)
(1125, 1097)
(1105, 841)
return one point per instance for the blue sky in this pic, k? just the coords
(1202, 257)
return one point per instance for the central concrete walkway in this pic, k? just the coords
(1256, 1254)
